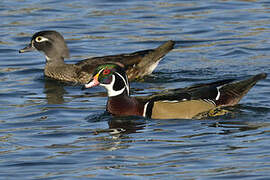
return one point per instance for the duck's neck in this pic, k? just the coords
(57, 69)
(124, 105)
(54, 60)
(119, 101)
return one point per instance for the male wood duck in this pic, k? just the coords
(53, 45)
(182, 103)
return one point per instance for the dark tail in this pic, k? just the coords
(232, 93)
(151, 60)
(155, 55)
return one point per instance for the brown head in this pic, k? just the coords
(51, 43)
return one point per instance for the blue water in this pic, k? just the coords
(50, 130)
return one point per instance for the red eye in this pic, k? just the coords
(106, 71)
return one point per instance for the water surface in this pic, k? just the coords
(50, 130)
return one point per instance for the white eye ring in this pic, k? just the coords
(41, 39)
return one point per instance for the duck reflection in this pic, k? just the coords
(118, 125)
(54, 91)
(126, 125)
(240, 119)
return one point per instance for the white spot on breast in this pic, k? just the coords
(144, 109)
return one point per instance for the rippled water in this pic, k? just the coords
(50, 130)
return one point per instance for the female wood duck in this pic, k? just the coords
(182, 103)
(53, 45)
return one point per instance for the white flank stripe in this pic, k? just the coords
(209, 101)
(174, 101)
(218, 95)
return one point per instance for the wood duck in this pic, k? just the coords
(182, 103)
(53, 45)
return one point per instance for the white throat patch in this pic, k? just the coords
(47, 58)
(109, 87)
(111, 91)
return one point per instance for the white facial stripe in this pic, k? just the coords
(111, 91)
(109, 87)
(100, 70)
(126, 84)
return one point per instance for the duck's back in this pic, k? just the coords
(137, 64)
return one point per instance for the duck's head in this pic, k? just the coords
(112, 77)
(51, 43)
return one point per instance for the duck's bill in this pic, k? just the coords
(91, 84)
(27, 49)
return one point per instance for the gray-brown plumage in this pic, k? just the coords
(52, 44)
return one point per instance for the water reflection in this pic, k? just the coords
(118, 125)
(54, 91)
(240, 119)
(52, 130)
(127, 125)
